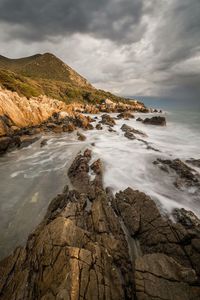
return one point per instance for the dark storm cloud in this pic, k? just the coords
(132, 47)
(113, 19)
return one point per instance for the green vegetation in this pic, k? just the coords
(46, 74)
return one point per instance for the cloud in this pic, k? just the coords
(120, 21)
(136, 48)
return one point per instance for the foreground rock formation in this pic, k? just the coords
(92, 245)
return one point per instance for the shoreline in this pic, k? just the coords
(82, 239)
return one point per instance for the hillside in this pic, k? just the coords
(45, 74)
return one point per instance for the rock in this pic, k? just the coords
(97, 167)
(94, 245)
(110, 129)
(139, 119)
(81, 137)
(161, 121)
(129, 135)
(107, 120)
(158, 276)
(129, 129)
(186, 218)
(27, 141)
(9, 143)
(186, 176)
(69, 127)
(125, 115)
(194, 162)
(43, 143)
(4, 143)
(99, 127)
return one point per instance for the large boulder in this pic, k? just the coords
(107, 120)
(160, 121)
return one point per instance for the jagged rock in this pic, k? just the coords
(107, 120)
(8, 143)
(97, 167)
(186, 218)
(157, 234)
(186, 176)
(194, 162)
(81, 137)
(43, 143)
(130, 129)
(161, 121)
(27, 141)
(158, 276)
(69, 127)
(99, 127)
(139, 119)
(125, 115)
(129, 135)
(110, 129)
(112, 248)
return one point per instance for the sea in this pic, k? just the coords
(31, 177)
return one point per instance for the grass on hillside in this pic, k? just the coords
(60, 90)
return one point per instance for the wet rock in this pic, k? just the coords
(110, 129)
(4, 143)
(194, 162)
(99, 127)
(94, 245)
(130, 129)
(81, 137)
(70, 127)
(139, 119)
(186, 176)
(97, 167)
(43, 143)
(186, 218)
(9, 143)
(107, 120)
(160, 121)
(158, 276)
(155, 233)
(125, 115)
(27, 141)
(129, 135)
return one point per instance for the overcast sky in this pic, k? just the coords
(146, 48)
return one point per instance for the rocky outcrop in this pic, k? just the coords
(107, 120)
(94, 245)
(129, 129)
(185, 176)
(125, 115)
(161, 121)
(194, 162)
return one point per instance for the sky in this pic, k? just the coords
(139, 48)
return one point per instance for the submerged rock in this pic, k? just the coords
(130, 129)
(194, 162)
(186, 176)
(161, 121)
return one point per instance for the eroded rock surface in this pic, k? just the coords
(94, 245)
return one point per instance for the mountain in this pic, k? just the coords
(45, 74)
(44, 66)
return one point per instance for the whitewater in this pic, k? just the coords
(31, 177)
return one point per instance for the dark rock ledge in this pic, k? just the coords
(92, 245)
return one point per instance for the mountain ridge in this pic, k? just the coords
(46, 74)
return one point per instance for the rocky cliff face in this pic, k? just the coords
(16, 111)
(92, 245)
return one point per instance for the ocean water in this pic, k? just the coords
(31, 177)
